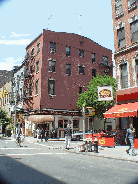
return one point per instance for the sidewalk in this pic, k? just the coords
(119, 152)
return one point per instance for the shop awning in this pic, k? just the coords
(123, 110)
(40, 118)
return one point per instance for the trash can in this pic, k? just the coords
(95, 144)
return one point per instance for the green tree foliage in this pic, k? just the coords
(90, 97)
(5, 120)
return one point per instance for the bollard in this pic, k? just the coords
(95, 145)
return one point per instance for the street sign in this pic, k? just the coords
(91, 111)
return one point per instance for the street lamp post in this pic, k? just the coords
(83, 121)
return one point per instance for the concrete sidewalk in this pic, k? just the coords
(119, 152)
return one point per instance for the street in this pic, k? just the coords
(37, 163)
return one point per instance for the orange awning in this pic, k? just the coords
(123, 110)
(40, 118)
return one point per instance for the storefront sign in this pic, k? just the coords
(105, 93)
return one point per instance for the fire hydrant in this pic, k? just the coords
(95, 144)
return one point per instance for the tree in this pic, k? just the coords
(90, 97)
(5, 120)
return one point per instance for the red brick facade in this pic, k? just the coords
(123, 18)
(66, 87)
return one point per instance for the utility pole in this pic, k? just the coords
(15, 111)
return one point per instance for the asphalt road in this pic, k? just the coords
(36, 164)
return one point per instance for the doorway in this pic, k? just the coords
(135, 125)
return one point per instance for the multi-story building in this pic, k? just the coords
(16, 102)
(125, 26)
(58, 67)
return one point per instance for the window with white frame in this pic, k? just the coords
(118, 6)
(134, 31)
(51, 87)
(124, 76)
(36, 87)
(121, 37)
(37, 66)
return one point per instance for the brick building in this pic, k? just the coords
(58, 66)
(125, 26)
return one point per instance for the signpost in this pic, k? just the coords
(91, 113)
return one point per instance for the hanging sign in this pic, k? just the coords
(105, 93)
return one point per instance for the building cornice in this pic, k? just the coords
(126, 49)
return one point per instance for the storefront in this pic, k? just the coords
(124, 114)
(42, 121)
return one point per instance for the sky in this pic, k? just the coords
(21, 21)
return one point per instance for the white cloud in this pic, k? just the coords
(3, 37)
(10, 62)
(18, 35)
(16, 42)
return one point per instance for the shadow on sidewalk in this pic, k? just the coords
(14, 172)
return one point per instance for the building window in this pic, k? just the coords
(27, 55)
(52, 47)
(68, 49)
(30, 89)
(80, 90)
(51, 87)
(25, 90)
(118, 6)
(121, 37)
(81, 53)
(93, 57)
(123, 123)
(124, 76)
(131, 2)
(60, 123)
(81, 70)
(37, 66)
(93, 72)
(31, 68)
(75, 123)
(21, 93)
(52, 66)
(106, 72)
(26, 71)
(32, 52)
(36, 87)
(134, 31)
(38, 47)
(105, 61)
(68, 69)
(137, 72)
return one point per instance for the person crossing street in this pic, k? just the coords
(68, 132)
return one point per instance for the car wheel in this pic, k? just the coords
(78, 138)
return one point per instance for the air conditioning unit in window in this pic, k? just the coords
(52, 50)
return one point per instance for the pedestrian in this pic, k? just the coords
(38, 134)
(47, 135)
(130, 135)
(42, 134)
(68, 132)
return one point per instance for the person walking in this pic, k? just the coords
(68, 132)
(130, 135)
(38, 134)
(42, 134)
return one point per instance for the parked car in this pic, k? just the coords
(79, 135)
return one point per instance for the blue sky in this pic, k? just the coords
(23, 20)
